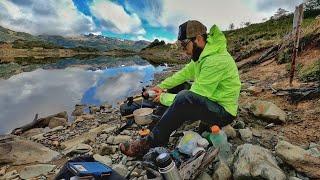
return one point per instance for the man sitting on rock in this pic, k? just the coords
(213, 96)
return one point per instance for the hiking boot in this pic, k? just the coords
(136, 148)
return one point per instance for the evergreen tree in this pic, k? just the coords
(312, 5)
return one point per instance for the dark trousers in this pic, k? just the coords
(188, 106)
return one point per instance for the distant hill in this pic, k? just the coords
(99, 42)
(7, 35)
(254, 38)
(248, 41)
(159, 52)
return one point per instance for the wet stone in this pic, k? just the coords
(35, 170)
(246, 134)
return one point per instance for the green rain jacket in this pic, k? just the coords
(215, 75)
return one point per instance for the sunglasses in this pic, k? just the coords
(184, 43)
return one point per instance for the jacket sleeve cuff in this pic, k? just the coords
(161, 86)
(167, 99)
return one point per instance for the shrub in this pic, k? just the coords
(310, 73)
(284, 56)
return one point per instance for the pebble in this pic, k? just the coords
(11, 175)
(103, 159)
(3, 170)
(239, 125)
(118, 139)
(35, 170)
(104, 136)
(106, 149)
(121, 169)
(246, 134)
(135, 174)
(230, 132)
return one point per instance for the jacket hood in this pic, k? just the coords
(216, 42)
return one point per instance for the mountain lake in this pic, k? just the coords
(59, 85)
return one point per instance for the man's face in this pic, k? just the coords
(187, 46)
(191, 48)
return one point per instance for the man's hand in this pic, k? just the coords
(157, 99)
(158, 91)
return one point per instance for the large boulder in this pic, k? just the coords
(86, 137)
(230, 132)
(33, 132)
(78, 149)
(121, 169)
(52, 121)
(300, 159)
(106, 149)
(222, 172)
(10, 175)
(256, 162)
(204, 176)
(314, 149)
(35, 170)
(63, 115)
(103, 159)
(118, 139)
(268, 110)
(246, 134)
(56, 121)
(16, 151)
(78, 110)
(94, 109)
(109, 129)
(102, 128)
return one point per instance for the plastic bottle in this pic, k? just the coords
(219, 140)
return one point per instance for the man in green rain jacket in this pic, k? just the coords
(213, 96)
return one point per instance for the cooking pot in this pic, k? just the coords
(143, 116)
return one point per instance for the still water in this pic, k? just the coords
(58, 86)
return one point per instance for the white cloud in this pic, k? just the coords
(149, 10)
(209, 12)
(273, 5)
(140, 38)
(153, 38)
(97, 33)
(44, 17)
(170, 14)
(113, 17)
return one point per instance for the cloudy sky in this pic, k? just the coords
(131, 19)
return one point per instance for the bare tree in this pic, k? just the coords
(279, 13)
(242, 25)
(231, 26)
(247, 24)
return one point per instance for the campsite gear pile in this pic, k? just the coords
(188, 157)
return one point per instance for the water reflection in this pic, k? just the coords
(48, 91)
(28, 64)
(118, 83)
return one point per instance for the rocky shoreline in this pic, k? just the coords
(258, 153)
